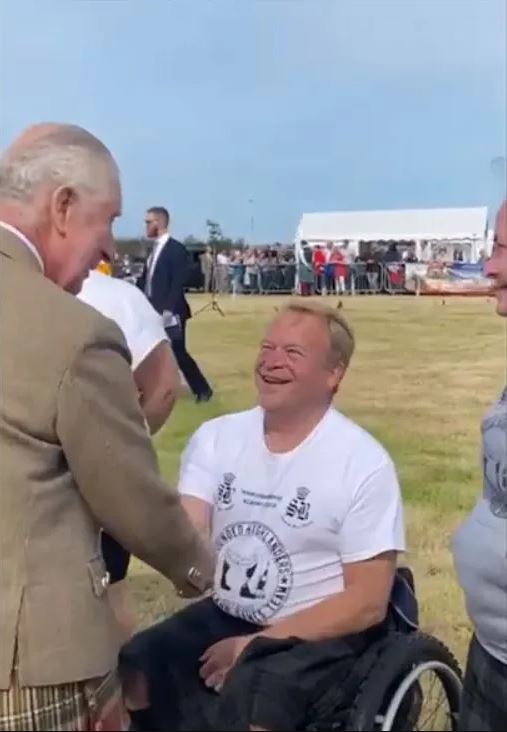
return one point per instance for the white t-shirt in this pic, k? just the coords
(284, 524)
(129, 308)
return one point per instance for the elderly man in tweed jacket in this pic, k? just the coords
(75, 455)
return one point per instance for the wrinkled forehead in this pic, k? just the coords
(303, 329)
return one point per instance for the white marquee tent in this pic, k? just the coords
(429, 229)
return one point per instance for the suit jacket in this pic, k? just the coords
(169, 280)
(75, 456)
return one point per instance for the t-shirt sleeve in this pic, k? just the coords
(374, 522)
(197, 471)
(144, 329)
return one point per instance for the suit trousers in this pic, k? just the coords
(189, 368)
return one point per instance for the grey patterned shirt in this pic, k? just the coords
(480, 545)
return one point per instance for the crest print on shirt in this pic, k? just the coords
(226, 492)
(297, 511)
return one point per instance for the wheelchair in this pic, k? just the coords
(405, 681)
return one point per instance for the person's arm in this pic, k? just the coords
(200, 513)
(157, 381)
(141, 279)
(362, 604)
(370, 537)
(154, 367)
(104, 440)
(178, 265)
(197, 479)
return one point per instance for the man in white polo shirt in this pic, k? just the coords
(156, 377)
(153, 364)
(304, 511)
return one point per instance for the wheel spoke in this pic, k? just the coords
(434, 707)
(432, 715)
(423, 707)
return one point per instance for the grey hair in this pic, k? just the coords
(65, 155)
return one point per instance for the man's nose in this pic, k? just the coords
(275, 358)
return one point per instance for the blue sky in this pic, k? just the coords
(300, 105)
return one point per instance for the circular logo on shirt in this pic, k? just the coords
(254, 572)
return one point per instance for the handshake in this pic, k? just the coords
(197, 585)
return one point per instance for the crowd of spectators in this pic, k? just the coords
(337, 269)
(248, 270)
(323, 269)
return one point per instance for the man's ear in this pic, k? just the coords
(337, 375)
(61, 202)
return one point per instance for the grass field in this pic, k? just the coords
(422, 376)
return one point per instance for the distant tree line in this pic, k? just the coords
(216, 238)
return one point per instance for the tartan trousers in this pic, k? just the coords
(87, 706)
(484, 702)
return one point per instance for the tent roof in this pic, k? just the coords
(403, 224)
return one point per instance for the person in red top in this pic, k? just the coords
(340, 270)
(318, 263)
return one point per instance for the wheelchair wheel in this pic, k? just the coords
(415, 685)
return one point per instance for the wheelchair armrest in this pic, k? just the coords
(403, 612)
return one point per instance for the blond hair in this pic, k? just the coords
(341, 335)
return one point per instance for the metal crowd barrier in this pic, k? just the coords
(254, 279)
(360, 278)
(275, 278)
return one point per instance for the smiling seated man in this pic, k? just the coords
(304, 511)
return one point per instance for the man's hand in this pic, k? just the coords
(220, 658)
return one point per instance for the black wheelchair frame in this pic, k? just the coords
(384, 692)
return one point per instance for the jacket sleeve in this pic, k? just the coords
(141, 280)
(178, 265)
(106, 444)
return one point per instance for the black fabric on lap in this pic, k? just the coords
(275, 684)
(168, 654)
(116, 558)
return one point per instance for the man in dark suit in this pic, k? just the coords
(163, 280)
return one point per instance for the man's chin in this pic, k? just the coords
(272, 402)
